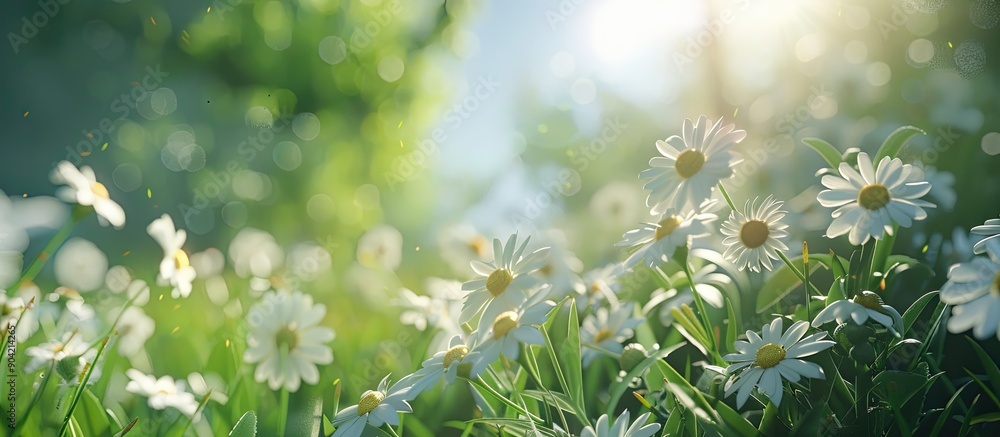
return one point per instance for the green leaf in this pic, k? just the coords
(305, 417)
(732, 331)
(825, 150)
(991, 366)
(986, 418)
(569, 352)
(837, 265)
(518, 426)
(946, 412)
(897, 387)
(552, 398)
(618, 389)
(327, 426)
(734, 420)
(913, 312)
(127, 428)
(246, 427)
(90, 415)
(783, 282)
(686, 394)
(895, 141)
(836, 291)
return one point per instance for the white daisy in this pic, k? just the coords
(445, 363)
(175, 269)
(656, 242)
(255, 254)
(460, 243)
(974, 288)
(286, 341)
(83, 188)
(771, 357)
(607, 329)
(20, 216)
(562, 268)
(505, 282)
(162, 392)
(509, 330)
(692, 165)
(134, 328)
(381, 246)
(942, 187)
(866, 305)
(621, 427)
(991, 229)
(616, 205)
(376, 407)
(210, 384)
(869, 202)
(21, 310)
(755, 235)
(70, 344)
(600, 284)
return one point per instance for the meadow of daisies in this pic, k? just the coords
(734, 338)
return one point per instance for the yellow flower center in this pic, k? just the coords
(873, 197)
(689, 162)
(287, 337)
(498, 281)
(754, 233)
(869, 300)
(455, 354)
(667, 226)
(369, 401)
(769, 355)
(594, 288)
(99, 190)
(181, 259)
(602, 335)
(506, 321)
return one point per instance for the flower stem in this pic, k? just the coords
(798, 273)
(81, 388)
(36, 266)
(478, 382)
(805, 273)
(283, 412)
(725, 194)
(201, 406)
(38, 394)
(710, 333)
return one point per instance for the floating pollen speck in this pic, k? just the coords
(149, 193)
(737, 111)
(127, 253)
(25, 195)
(417, 249)
(161, 297)
(208, 10)
(176, 307)
(104, 147)
(26, 114)
(400, 144)
(397, 126)
(151, 20)
(227, 342)
(84, 153)
(950, 46)
(176, 328)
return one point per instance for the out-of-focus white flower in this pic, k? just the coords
(691, 166)
(381, 246)
(162, 392)
(462, 243)
(991, 231)
(82, 188)
(286, 340)
(117, 279)
(621, 427)
(616, 205)
(440, 310)
(134, 328)
(175, 269)
(562, 268)
(307, 261)
(607, 329)
(138, 292)
(19, 216)
(201, 384)
(974, 288)
(255, 254)
(80, 265)
(942, 187)
(870, 202)
(208, 262)
(600, 284)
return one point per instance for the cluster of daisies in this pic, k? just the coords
(501, 312)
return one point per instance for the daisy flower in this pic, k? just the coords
(460, 243)
(692, 165)
(974, 288)
(509, 330)
(755, 235)
(656, 242)
(444, 363)
(256, 255)
(381, 246)
(504, 282)
(81, 265)
(286, 341)
(162, 392)
(621, 427)
(870, 202)
(175, 269)
(376, 407)
(134, 328)
(769, 358)
(866, 305)
(600, 284)
(991, 229)
(562, 268)
(607, 329)
(82, 188)
(69, 345)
